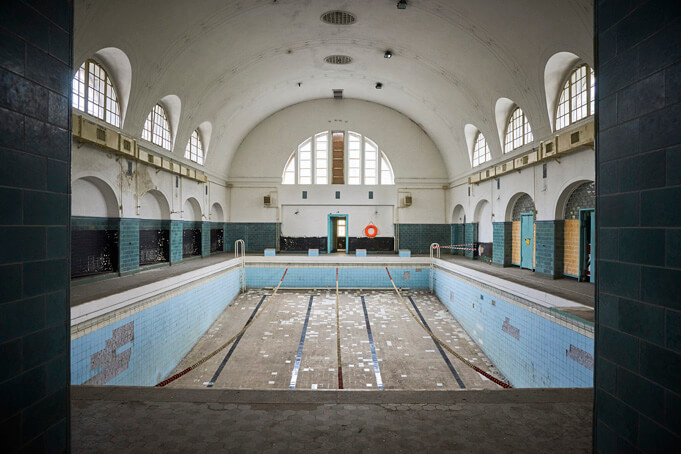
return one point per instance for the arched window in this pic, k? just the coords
(481, 153)
(156, 128)
(577, 98)
(364, 162)
(518, 131)
(94, 93)
(194, 151)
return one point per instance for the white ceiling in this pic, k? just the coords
(234, 63)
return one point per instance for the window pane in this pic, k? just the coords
(78, 89)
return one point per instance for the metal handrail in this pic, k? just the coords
(240, 251)
(434, 253)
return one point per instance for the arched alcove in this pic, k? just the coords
(519, 203)
(154, 205)
(93, 197)
(191, 210)
(216, 213)
(458, 215)
(483, 216)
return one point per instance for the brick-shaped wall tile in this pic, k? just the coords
(129, 245)
(502, 240)
(176, 229)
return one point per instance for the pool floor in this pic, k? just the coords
(403, 356)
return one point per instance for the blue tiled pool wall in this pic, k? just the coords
(144, 348)
(531, 351)
(347, 277)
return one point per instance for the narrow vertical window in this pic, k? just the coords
(194, 151)
(354, 158)
(305, 162)
(481, 151)
(370, 162)
(322, 158)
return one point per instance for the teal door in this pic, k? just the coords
(526, 240)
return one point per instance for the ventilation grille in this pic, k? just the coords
(338, 18)
(338, 59)
(337, 94)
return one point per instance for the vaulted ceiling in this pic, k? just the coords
(234, 63)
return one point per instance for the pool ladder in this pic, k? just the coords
(240, 251)
(434, 254)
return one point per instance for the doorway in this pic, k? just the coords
(527, 240)
(587, 246)
(337, 233)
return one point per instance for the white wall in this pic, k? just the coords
(546, 192)
(109, 173)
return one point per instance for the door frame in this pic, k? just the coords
(329, 231)
(521, 239)
(592, 228)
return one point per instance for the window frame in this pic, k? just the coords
(152, 129)
(486, 152)
(380, 159)
(566, 86)
(525, 132)
(108, 86)
(201, 152)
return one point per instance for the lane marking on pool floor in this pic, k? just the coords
(439, 347)
(231, 350)
(377, 370)
(299, 354)
(339, 363)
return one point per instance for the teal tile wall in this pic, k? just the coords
(502, 240)
(205, 238)
(419, 237)
(457, 238)
(549, 248)
(470, 236)
(175, 241)
(128, 245)
(258, 236)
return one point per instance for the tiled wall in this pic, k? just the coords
(258, 236)
(457, 237)
(638, 162)
(143, 349)
(502, 238)
(571, 247)
(205, 238)
(176, 241)
(129, 245)
(549, 248)
(364, 277)
(528, 349)
(35, 150)
(419, 237)
(470, 237)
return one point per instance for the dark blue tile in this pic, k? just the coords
(56, 308)
(661, 366)
(25, 22)
(44, 345)
(60, 45)
(608, 244)
(608, 311)
(58, 110)
(619, 72)
(641, 320)
(616, 413)
(673, 330)
(673, 84)
(642, 246)
(56, 374)
(674, 166)
(48, 71)
(661, 286)
(608, 182)
(44, 277)
(619, 141)
(607, 46)
(605, 438)
(11, 356)
(620, 210)
(47, 140)
(49, 411)
(610, 12)
(653, 437)
(607, 375)
(22, 170)
(12, 52)
(641, 98)
(655, 207)
(639, 25)
(21, 317)
(57, 242)
(618, 348)
(660, 51)
(672, 410)
(11, 129)
(10, 276)
(23, 96)
(660, 129)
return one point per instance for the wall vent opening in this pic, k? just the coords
(338, 59)
(337, 94)
(338, 17)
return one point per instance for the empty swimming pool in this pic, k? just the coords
(301, 334)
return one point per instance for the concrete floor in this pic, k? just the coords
(149, 420)
(406, 355)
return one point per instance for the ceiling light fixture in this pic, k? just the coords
(387, 54)
(379, 85)
(402, 4)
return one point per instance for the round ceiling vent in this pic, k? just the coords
(338, 18)
(338, 59)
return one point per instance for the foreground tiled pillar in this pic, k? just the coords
(502, 241)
